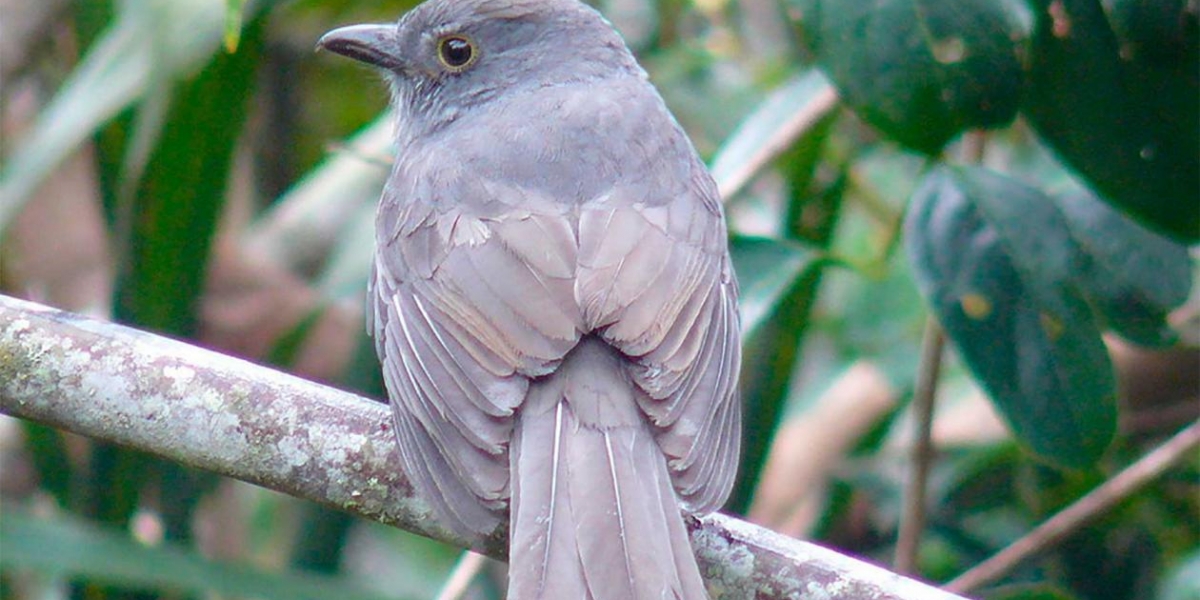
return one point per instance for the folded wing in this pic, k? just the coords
(655, 279)
(466, 310)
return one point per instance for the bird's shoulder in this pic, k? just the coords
(553, 155)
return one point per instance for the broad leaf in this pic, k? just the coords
(179, 198)
(65, 547)
(921, 70)
(755, 132)
(1133, 276)
(1123, 113)
(303, 226)
(172, 36)
(766, 269)
(995, 260)
(773, 342)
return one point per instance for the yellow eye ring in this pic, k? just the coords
(456, 52)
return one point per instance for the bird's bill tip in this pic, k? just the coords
(371, 44)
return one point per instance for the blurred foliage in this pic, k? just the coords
(206, 134)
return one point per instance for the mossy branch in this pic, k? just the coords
(214, 412)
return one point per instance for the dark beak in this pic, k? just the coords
(371, 44)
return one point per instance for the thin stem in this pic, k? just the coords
(1081, 511)
(468, 567)
(912, 520)
(779, 142)
(974, 145)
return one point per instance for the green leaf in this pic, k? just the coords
(773, 343)
(1157, 30)
(69, 548)
(321, 544)
(286, 347)
(1182, 582)
(1133, 276)
(233, 24)
(878, 316)
(115, 478)
(1028, 591)
(174, 36)
(178, 201)
(766, 269)
(47, 448)
(794, 97)
(348, 263)
(922, 70)
(302, 228)
(1123, 115)
(184, 147)
(995, 260)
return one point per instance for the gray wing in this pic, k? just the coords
(467, 307)
(656, 280)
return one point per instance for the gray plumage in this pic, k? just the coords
(552, 298)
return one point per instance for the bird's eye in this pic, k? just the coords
(456, 52)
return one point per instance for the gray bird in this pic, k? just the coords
(552, 297)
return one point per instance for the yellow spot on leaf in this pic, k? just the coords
(976, 306)
(1052, 326)
(949, 51)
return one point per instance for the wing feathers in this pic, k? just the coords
(473, 307)
(492, 396)
(429, 471)
(656, 283)
(546, 244)
(456, 302)
(536, 299)
(447, 429)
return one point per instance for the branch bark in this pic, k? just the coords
(214, 412)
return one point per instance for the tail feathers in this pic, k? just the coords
(543, 556)
(594, 513)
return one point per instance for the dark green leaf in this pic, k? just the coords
(995, 260)
(48, 449)
(778, 283)
(164, 245)
(322, 540)
(1133, 276)
(115, 72)
(68, 548)
(174, 214)
(1123, 113)
(1029, 591)
(922, 70)
(364, 375)
(287, 346)
(773, 345)
(766, 268)
(115, 479)
(1158, 30)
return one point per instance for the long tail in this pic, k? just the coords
(594, 514)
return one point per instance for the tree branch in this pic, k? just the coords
(225, 415)
(1181, 446)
